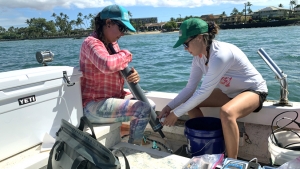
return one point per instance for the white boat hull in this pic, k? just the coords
(24, 126)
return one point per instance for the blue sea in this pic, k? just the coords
(165, 69)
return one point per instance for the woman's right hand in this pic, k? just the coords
(164, 112)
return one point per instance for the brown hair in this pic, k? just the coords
(98, 27)
(213, 30)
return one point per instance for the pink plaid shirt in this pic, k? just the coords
(101, 70)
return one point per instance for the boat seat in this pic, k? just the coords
(107, 134)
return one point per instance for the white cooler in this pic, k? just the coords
(33, 102)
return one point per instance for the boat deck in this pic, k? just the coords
(109, 135)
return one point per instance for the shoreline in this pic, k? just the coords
(222, 27)
(81, 37)
(149, 32)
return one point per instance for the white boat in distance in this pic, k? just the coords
(33, 102)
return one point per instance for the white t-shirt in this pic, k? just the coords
(228, 69)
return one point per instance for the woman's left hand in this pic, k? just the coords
(133, 77)
(170, 120)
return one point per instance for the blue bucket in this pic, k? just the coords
(204, 136)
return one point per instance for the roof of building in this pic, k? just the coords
(271, 8)
(210, 16)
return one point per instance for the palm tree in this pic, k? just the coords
(129, 14)
(86, 18)
(249, 4)
(222, 16)
(79, 22)
(2, 30)
(79, 15)
(28, 21)
(234, 11)
(53, 15)
(91, 18)
(249, 9)
(292, 3)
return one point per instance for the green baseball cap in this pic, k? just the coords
(117, 12)
(191, 27)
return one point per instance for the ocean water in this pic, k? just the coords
(165, 69)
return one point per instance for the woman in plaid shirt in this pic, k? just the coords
(102, 82)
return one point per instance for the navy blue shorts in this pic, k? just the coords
(262, 98)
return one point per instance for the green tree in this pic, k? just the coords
(280, 5)
(79, 22)
(234, 12)
(129, 14)
(92, 23)
(2, 29)
(223, 15)
(41, 27)
(170, 26)
(62, 23)
(249, 9)
(86, 19)
(292, 3)
(248, 4)
(22, 32)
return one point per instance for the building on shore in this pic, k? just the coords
(271, 12)
(223, 19)
(144, 20)
(297, 10)
(234, 19)
(154, 26)
(266, 14)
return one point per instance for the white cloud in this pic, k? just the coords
(17, 22)
(50, 4)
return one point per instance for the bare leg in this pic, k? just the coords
(216, 99)
(231, 110)
(238, 107)
(195, 112)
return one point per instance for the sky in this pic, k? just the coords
(16, 12)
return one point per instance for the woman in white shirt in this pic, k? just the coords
(231, 81)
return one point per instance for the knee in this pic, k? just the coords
(143, 110)
(227, 115)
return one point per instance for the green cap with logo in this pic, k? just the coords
(117, 12)
(191, 27)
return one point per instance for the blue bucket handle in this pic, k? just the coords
(190, 153)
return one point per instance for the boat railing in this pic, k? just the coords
(282, 78)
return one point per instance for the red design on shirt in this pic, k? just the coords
(226, 81)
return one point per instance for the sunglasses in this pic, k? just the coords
(122, 28)
(186, 44)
